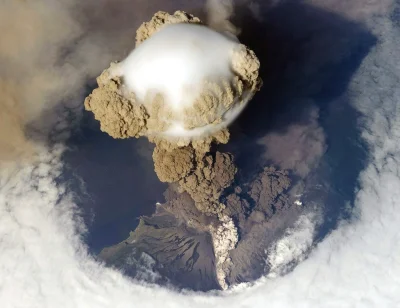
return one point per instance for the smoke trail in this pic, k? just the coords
(218, 14)
(47, 52)
(32, 34)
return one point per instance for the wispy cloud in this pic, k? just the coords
(43, 262)
(299, 148)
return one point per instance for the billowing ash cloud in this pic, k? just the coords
(181, 87)
(184, 81)
(45, 264)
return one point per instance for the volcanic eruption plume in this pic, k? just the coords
(181, 87)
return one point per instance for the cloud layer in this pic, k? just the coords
(43, 262)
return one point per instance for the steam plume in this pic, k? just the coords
(219, 13)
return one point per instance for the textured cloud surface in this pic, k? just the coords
(43, 262)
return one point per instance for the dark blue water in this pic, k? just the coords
(115, 182)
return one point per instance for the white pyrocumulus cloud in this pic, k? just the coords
(190, 55)
(43, 262)
(181, 65)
